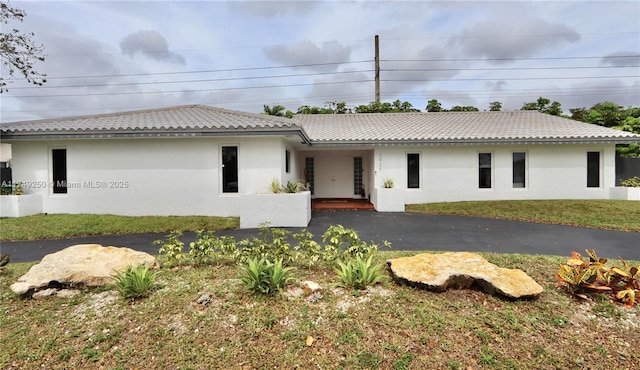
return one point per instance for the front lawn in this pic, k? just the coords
(388, 326)
(601, 214)
(56, 226)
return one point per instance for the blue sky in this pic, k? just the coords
(107, 56)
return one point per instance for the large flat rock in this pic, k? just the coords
(78, 266)
(438, 272)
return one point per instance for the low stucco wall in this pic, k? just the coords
(276, 210)
(20, 205)
(388, 200)
(622, 193)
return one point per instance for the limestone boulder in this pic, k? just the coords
(82, 265)
(438, 272)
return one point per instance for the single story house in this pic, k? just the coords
(201, 160)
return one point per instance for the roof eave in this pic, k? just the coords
(444, 142)
(112, 134)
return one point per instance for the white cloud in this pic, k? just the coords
(429, 49)
(150, 44)
(308, 53)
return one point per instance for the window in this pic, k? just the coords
(287, 161)
(358, 188)
(413, 170)
(484, 167)
(308, 172)
(519, 172)
(229, 169)
(59, 169)
(593, 169)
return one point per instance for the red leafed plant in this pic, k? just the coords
(580, 276)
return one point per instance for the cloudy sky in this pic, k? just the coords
(108, 56)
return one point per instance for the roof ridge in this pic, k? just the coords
(149, 110)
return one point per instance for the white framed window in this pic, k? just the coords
(413, 170)
(593, 169)
(519, 170)
(485, 170)
(59, 170)
(229, 168)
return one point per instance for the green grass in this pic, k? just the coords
(601, 214)
(57, 226)
(390, 327)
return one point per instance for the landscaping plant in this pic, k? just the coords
(633, 182)
(348, 243)
(358, 273)
(202, 249)
(580, 276)
(271, 244)
(265, 277)
(293, 187)
(172, 248)
(135, 282)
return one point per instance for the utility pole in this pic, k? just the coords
(377, 59)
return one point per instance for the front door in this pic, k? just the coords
(333, 177)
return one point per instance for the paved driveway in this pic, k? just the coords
(405, 231)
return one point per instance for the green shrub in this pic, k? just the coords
(293, 187)
(633, 182)
(275, 186)
(271, 244)
(307, 248)
(358, 273)
(172, 248)
(347, 243)
(262, 276)
(135, 282)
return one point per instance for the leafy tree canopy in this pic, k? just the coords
(277, 110)
(544, 105)
(495, 106)
(18, 52)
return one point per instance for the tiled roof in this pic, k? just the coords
(334, 129)
(180, 118)
(454, 127)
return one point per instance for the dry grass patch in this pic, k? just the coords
(204, 318)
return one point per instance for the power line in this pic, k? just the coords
(508, 59)
(195, 81)
(213, 70)
(190, 90)
(511, 78)
(501, 69)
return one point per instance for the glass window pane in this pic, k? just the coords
(59, 169)
(229, 169)
(519, 166)
(593, 169)
(484, 165)
(413, 170)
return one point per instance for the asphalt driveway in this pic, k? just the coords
(405, 231)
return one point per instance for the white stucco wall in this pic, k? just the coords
(451, 173)
(172, 176)
(182, 176)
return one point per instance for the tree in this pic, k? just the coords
(579, 114)
(606, 114)
(433, 106)
(466, 108)
(495, 106)
(277, 110)
(18, 52)
(542, 105)
(331, 107)
(631, 124)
